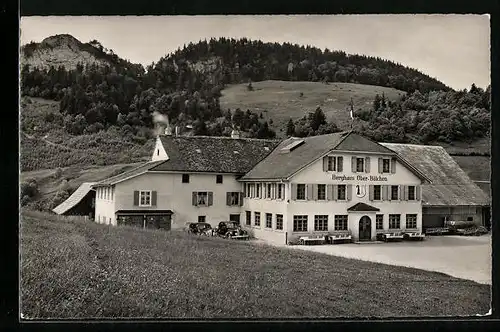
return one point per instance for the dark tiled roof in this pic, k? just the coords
(150, 212)
(362, 207)
(213, 154)
(131, 173)
(280, 165)
(449, 185)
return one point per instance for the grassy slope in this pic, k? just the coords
(80, 270)
(281, 100)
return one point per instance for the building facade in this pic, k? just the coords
(277, 190)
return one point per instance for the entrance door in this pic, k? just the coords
(235, 218)
(365, 229)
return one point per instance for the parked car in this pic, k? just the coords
(230, 229)
(200, 228)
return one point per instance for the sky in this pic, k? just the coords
(452, 48)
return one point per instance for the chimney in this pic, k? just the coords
(235, 134)
(168, 131)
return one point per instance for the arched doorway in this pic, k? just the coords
(365, 229)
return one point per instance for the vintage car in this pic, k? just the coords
(230, 230)
(200, 228)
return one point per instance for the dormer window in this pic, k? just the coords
(218, 179)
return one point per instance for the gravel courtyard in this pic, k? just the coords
(458, 256)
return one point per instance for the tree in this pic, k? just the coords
(317, 119)
(290, 128)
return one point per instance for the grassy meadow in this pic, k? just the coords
(85, 270)
(282, 100)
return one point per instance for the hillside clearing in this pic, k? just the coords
(83, 270)
(282, 100)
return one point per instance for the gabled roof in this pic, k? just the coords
(129, 174)
(449, 185)
(279, 165)
(213, 154)
(74, 199)
(362, 207)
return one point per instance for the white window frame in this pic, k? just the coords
(199, 195)
(379, 192)
(267, 220)
(397, 196)
(345, 192)
(279, 222)
(392, 219)
(414, 193)
(256, 216)
(321, 223)
(388, 160)
(341, 220)
(297, 192)
(362, 164)
(141, 192)
(234, 195)
(281, 193)
(412, 215)
(318, 191)
(300, 219)
(381, 216)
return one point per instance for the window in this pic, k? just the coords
(386, 165)
(257, 219)
(269, 189)
(379, 221)
(157, 152)
(233, 198)
(218, 179)
(145, 198)
(394, 221)
(411, 193)
(341, 192)
(301, 191)
(258, 191)
(279, 221)
(340, 223)
(248, 220)
(321, 223)
(300, 223)
(335, 164)
(332, 163)
(251, 189)
(394, 192)
(321, 191)
(202, 198)
(202, 219)
(360, 164)
(470, 219)
(269, 220)
(280, 190)
(377, 192)
(185, 178)
(411, 221)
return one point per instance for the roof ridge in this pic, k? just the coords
(225, 137)
(409, 144)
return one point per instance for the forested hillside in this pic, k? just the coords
(113, 99)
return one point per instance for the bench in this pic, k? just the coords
(342, 237)
(305, 240)
(437, 230)
(239, 237)
(414, 235)
(397, 236)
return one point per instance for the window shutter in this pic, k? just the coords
(400, 193)
(153, 198)
(340, 164)
(194, 199)
(136, 197)
(349, 192)
(294, 191)
(417, 193)
(275, 188)
(329, 192)
(315, 192)
(405, 193)
(353, 164)
(261, 194)
(228, 198)
(367, 164)
(335, 192)
(240, 200)
(325, 164)
(389, 193)
(309, 189)
(384, 192)
(370, 192)
(393, 165)
(380, 165)
(210, 198)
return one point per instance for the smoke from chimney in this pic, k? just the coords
(161, 122)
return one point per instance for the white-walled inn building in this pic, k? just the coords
(281, 190)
